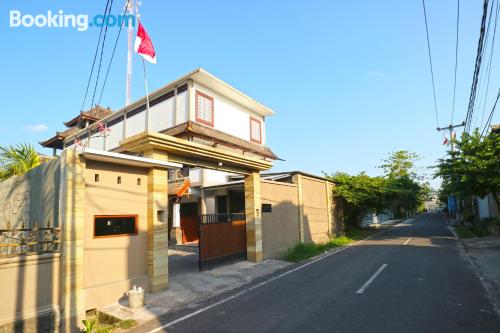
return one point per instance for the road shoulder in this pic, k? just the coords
(484, 254)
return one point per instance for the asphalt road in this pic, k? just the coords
(410, 278)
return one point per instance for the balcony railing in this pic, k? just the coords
(221, 218)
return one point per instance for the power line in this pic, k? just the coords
(480, 44)
(490, 117)
(484, 34)
(481, 77)
(100, 60)
(430, 63)
(456, 63)
(113, 54)
(489, 63)
(95, 58)
(107, 11)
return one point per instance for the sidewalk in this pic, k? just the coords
(485, 255)
(187, 285)
(484, 252)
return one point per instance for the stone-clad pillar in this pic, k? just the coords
(253, 217)
(329, 208)
(297, 179)
(157, 249)
(71, 221)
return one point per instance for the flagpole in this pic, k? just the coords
(147, 95)
(130, 46)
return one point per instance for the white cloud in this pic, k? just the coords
(36, 128)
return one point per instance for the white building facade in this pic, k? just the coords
(198, 107)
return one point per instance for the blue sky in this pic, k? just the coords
(349, 81)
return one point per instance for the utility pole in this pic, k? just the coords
(450, 129)
(453, 198)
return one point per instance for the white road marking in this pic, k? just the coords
(408, 240)
(371, 279)
(192, 314)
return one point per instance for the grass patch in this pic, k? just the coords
(464, 232)
(338, 241)
(94, 325)
(126, 324)
(302, 251)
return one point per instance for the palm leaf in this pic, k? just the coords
(17, 159)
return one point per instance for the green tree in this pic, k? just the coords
(400, 164)
(404, 192)
(358, 195)
(17, 159)
(473, 167)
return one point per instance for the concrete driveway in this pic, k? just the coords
(188, 287)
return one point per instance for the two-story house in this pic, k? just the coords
(118, 191)
(196, 107)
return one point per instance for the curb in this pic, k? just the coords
(467, 256)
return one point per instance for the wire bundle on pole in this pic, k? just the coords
(488, 69)
(477, 68)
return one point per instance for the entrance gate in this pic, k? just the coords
(222, 239)
(189, 222)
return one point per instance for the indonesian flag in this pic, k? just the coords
(144, 45)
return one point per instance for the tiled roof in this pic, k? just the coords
(57, 140)
(195, 129)
(97, 113)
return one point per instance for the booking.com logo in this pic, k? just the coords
(61, 20)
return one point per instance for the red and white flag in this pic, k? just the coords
(144, 45)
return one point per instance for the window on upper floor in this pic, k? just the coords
(204, 109)
(255, 130)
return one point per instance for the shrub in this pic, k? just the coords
(302, 251)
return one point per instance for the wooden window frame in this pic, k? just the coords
(197, 118)
(135, 216)
(252, 119)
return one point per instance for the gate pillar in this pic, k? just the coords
(71, 220)
(157, 248)
(253, 217)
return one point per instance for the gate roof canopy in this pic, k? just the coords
(193, 153)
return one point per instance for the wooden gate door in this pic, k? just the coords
(222, 240)
(189, 222)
